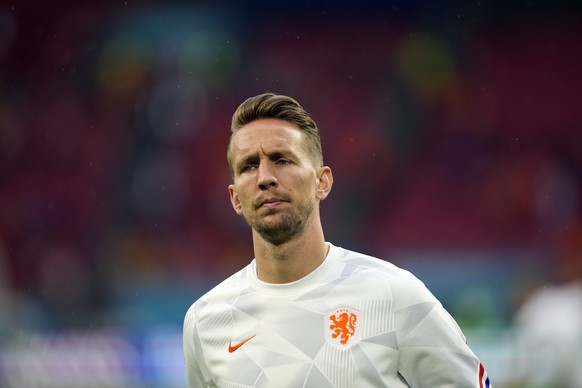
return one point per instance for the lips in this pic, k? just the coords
(269, 202)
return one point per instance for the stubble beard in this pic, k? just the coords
(284, 227)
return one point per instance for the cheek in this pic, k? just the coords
(240, 194)
(308, 191)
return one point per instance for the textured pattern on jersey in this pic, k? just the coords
(337, 327)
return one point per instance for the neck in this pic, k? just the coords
(292, 260)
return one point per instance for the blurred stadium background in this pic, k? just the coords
(453, 128)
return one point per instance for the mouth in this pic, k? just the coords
(270, 203)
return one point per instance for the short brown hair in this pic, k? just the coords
(274, 106)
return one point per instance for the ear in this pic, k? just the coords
(234, 200)
(325, 182)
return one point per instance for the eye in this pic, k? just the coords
(247, 167)
(282, 162)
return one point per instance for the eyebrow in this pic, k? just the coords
(245, 160)
(273, 155)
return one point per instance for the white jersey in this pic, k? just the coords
(356, 321)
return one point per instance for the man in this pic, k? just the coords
(306, 313)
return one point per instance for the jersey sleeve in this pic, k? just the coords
(433, 349)
(196, 375)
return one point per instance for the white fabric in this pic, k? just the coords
(397, 333)
(549, 333)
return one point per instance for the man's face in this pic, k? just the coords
(276, 185)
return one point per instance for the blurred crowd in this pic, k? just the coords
(446, 128)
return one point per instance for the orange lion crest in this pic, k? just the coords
(343, 325)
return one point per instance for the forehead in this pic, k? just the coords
(267, 135)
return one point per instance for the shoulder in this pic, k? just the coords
(226, 290)
(404, 287)
(360, 262)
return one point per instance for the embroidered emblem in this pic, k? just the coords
(342, 325)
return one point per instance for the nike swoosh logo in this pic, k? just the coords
(232, 348)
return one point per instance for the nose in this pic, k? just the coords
(266, 177)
